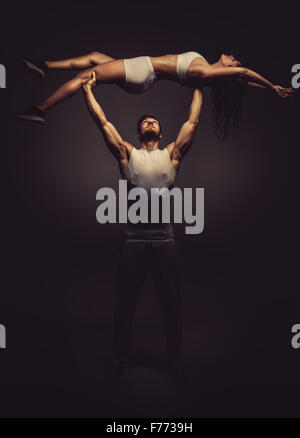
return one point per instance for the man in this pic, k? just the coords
(150, 245)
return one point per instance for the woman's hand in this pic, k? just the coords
(90, 83)
(283, 92)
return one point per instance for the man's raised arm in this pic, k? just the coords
(112, 138)
(188, 129)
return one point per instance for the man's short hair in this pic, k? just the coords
(141, 119)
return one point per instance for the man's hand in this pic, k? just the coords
(90, 83)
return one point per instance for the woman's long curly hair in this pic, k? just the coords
(228, 98)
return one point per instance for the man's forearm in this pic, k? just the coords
(109, 132)
(94, 107)
(188, 129)
(196, 106)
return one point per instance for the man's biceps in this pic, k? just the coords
(113, 129)
(115, 150)
(187, 129)
(107, 129)
(181, 133)
(115, 143)
(109, 138)
(176, 154)
(184, 137)
(192, 125)
(111, 134)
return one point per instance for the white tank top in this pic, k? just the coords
(149, 169)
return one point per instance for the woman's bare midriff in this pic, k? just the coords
(166, 66)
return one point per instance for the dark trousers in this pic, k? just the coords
(164, 262)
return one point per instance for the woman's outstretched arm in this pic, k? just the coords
(287, 91)
(255, 85)
(243, 72)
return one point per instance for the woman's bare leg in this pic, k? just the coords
(107, 73)
(80, 62)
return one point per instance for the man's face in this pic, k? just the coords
(150, 128)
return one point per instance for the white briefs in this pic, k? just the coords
(140, 74)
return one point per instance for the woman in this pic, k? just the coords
(226, 76)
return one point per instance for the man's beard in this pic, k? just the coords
(150, 135)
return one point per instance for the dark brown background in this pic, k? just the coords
(240, 289)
